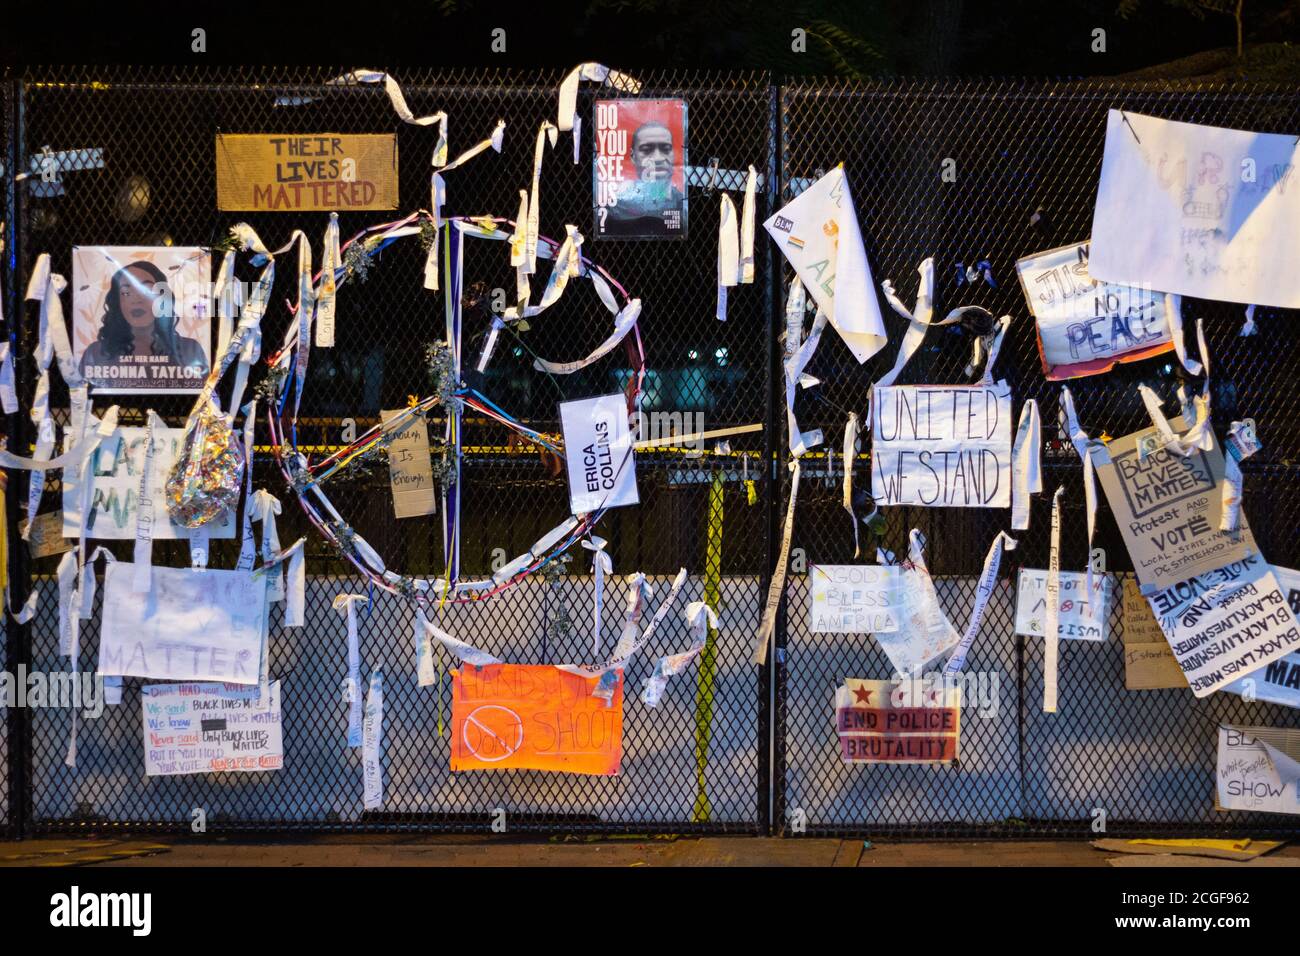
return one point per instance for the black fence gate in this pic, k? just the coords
(732, 747)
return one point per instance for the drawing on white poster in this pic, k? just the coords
(1259, 769)
(117, 466)
(1198, 210)
(1079, 620)
(854, 598)
(210, 728)
(194, 624)
(1225, 624)
(1086, 326)
(941, 446)
(598, 449)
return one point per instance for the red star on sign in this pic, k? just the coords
(863, 695)
(934, 696)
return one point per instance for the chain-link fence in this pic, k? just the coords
(1023, 160)
(725, 741)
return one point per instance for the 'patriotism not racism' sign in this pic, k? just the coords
(534, 717)
(897, 721)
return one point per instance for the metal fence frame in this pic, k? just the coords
(892, 137)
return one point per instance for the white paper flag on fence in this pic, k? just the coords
(1198, 210)
(818, 232)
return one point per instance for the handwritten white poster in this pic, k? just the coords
(924, 633)
(854, 598)
(941, 446)
(1079, 619)
(194, 624)
(1086, 326)
(1259, 769)
(598, 448)
(1227, 623)
(1198, 210)
(818, 233)
(210, 728)
(1279, 681)
(118, 463)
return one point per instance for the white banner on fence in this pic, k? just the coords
(941, 446)
(1198, 211)
(196, 624)
(210, 728)
(116, 487)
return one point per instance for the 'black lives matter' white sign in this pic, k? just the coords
(941, 446)
(598, 450)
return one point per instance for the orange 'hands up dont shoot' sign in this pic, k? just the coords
(534, 717)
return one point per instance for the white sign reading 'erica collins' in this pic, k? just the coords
(598, 449)
(941, 446)
(194, 624)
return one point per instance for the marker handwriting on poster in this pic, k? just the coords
(942, 446)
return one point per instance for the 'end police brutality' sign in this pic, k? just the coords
(598, 449)
(941, 446)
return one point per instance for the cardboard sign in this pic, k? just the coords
(1086, 326)
(941, 446)
(116, 486)
(195, 624)
(307, 172)
(210, 728)
(46, 537)
(639, 174)
(1198, 210)
(410, 469)
(598, 450)
(896, 722)
(1078, 619)
(818, 233)
(854, 599)
(1149, 662)
(142, 318)
(1225, 624)
(534, 717)
(1168, 508)
(1258, 769)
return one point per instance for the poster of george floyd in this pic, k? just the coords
(639, 180)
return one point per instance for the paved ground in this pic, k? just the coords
(683, 851)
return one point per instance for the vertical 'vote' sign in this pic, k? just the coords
(941, 446)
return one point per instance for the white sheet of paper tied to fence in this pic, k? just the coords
(1084, 326)
(1198, 210)
(1079, 619)
(818, 233)
(195, 624)
(910, 721)
(1258, 769)
(1168, 507)
(941, 446)
(116, 476)
(210, 728)
(1227, 624)
(598, 451)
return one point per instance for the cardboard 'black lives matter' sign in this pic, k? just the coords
(306, 172)
(1168, 508)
